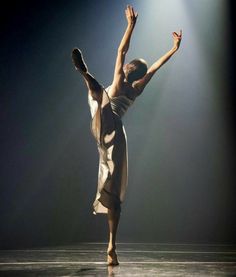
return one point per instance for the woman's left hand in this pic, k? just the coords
(131, 15)
(177, 39)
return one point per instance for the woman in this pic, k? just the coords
(107, 106)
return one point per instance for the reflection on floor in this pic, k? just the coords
(136, 259)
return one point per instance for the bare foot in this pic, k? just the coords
(78, 61)
(112, 256)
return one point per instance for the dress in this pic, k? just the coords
(109, 132)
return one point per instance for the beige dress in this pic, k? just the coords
(110, 135)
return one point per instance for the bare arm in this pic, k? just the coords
(131, 17)
(140, 84)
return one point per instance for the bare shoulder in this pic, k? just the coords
(132, 92)
(112, 91)
(125, 89)
(137, 88)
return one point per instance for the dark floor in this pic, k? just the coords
(138, 259)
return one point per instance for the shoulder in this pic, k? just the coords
(113, 90)
(131, 91)
(137, 88)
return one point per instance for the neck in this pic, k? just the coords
(127, 82)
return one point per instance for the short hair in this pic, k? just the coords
(137, 68)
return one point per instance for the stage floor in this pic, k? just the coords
(136, 259)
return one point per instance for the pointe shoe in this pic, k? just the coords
(112, 258)
(78, 61)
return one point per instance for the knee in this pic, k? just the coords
(95, 87)
(114, 212)
(96, 95)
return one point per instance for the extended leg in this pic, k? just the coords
(94, 87)
(113, 221)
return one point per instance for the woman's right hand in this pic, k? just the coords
(131, 15)
(177, 39)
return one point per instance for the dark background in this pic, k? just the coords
(181, 134)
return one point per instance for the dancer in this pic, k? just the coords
(107, 107)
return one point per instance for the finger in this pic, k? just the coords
(136, 14)
(127, 9)
(132, 9)
(181, 32)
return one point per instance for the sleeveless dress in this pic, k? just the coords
(109, 133)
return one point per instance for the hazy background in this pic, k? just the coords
(181, 131)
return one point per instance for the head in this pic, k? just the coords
(135, 70)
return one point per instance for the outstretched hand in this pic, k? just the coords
(177, 39)
(131, 15)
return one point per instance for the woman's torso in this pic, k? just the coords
(121, 99)
(125, 89)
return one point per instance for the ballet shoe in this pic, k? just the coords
(112, 258)
(78, 61)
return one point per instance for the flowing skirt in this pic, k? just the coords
(109, 132)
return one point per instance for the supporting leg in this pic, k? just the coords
(113, 221)
(94, 87)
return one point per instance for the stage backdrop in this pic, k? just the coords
(181, 130)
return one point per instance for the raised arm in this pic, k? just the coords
(131, 17)
(140, 84)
